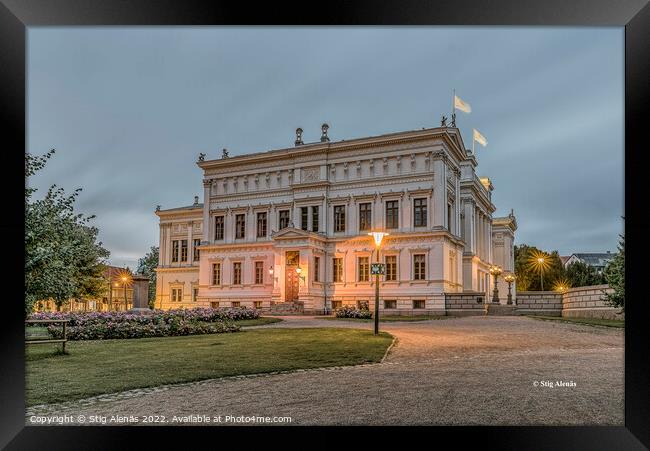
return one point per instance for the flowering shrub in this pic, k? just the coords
(154, 323)
(351, 312)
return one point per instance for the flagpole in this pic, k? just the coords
(453, 101)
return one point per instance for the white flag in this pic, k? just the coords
(461, 105)
(479, 138)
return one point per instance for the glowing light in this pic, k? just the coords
(561, 285)
(298, 270)
(509, 278)
(378, 237)
(271, 270)
(496, 270)
(539, 261)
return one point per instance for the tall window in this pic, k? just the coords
(337, 269)
(363, 269)
(449, 210)
(314, 219)
(419, 267)
(284, 219)
(216, 274)
(365, 216)
(304, 215)
(183, 250)
(175, 251)
(261, 225)
(391, 267)
(195, 247)
(177, 294)
(316, 269)
(195, 294)
(392, 213)
(259, 273)
(420, 212)
(240, 226)
(339, 218)
(236, 273)
(218, 227)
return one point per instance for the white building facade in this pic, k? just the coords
(291, 226)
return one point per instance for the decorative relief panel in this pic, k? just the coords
(311, 174)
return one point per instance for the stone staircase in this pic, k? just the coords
(287, 308)
(500, 309)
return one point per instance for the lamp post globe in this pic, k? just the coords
(496, 271)
(509, 278)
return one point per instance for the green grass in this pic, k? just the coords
(106, 366)
(261, 321)
(389, 318)
(587, 321)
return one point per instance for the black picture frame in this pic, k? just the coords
(634, 15)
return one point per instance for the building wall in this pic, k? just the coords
(464, 304)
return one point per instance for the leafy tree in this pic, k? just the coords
(528, 271)
(615, 276)
(580, 274)
(147, 266)
(62, 258)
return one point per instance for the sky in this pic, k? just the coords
(128, 110)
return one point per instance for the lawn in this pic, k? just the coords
(261, 321)
(587, 321)
(106, 366)
(389, 318)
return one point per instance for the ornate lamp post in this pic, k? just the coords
(509, 278)
(496, 271)
(378, 237)
(126, 304)
(541, 262)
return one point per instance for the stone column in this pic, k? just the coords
(310, 217)
(168, 243)
(140, 285)
(190, 244)
(439, 193)
(207, 184)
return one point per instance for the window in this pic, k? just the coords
(316, 269)
(257, 304)
(339, 218)
(304, 217)
(214, 304)
(391, 267)
(195, 294)
(195, 247)
(449, 208)
(177, 294)
(418, 305)
(419, 267)
(363, 269)
(420, 212)
(365, 216)
(392, 212)
(337, 304)
(314, 219)
(284, 219)
(174, 251)
(390, 304)
(183, 250)
(337, 272)
(261, 225)
(259, 273)
(235, 304)
(218, 227)
(240, 226)
(216, 274)
(236, 273)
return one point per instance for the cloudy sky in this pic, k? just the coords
(129, 109)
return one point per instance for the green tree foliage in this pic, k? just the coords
(580, 274)
(615, 276)
(528, 274)
(63, 259)
(147, 266)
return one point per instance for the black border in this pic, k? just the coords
(16, 15)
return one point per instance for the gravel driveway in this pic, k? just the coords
(457, 371)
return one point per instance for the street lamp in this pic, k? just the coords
(540, 262)
(378, 237)
(126, 304)
(496, 271)
(509, 278)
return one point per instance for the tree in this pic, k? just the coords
(62, 258)
(147, 266)
(527, 269)
(580, 274)
(615, 276)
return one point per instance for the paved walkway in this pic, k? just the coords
(456, 371)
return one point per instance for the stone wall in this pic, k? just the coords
(465, 303)
(589, 302)
(548, 303)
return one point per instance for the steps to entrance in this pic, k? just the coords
(500, 309)
(287, 308)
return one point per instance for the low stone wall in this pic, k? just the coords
(589, 302)
(548, 303)
(464, 304)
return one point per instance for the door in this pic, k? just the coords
(291, 276)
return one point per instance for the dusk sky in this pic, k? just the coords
(128, 110)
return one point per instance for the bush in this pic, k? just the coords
(351, 312)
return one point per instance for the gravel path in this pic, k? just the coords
(457, 371)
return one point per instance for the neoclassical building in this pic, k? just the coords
(291, 226)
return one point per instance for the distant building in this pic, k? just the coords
(596, 259)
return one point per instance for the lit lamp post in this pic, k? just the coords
(496, 271)
(126, 304)
(378, 237)
(509, 278)
(541, 262)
